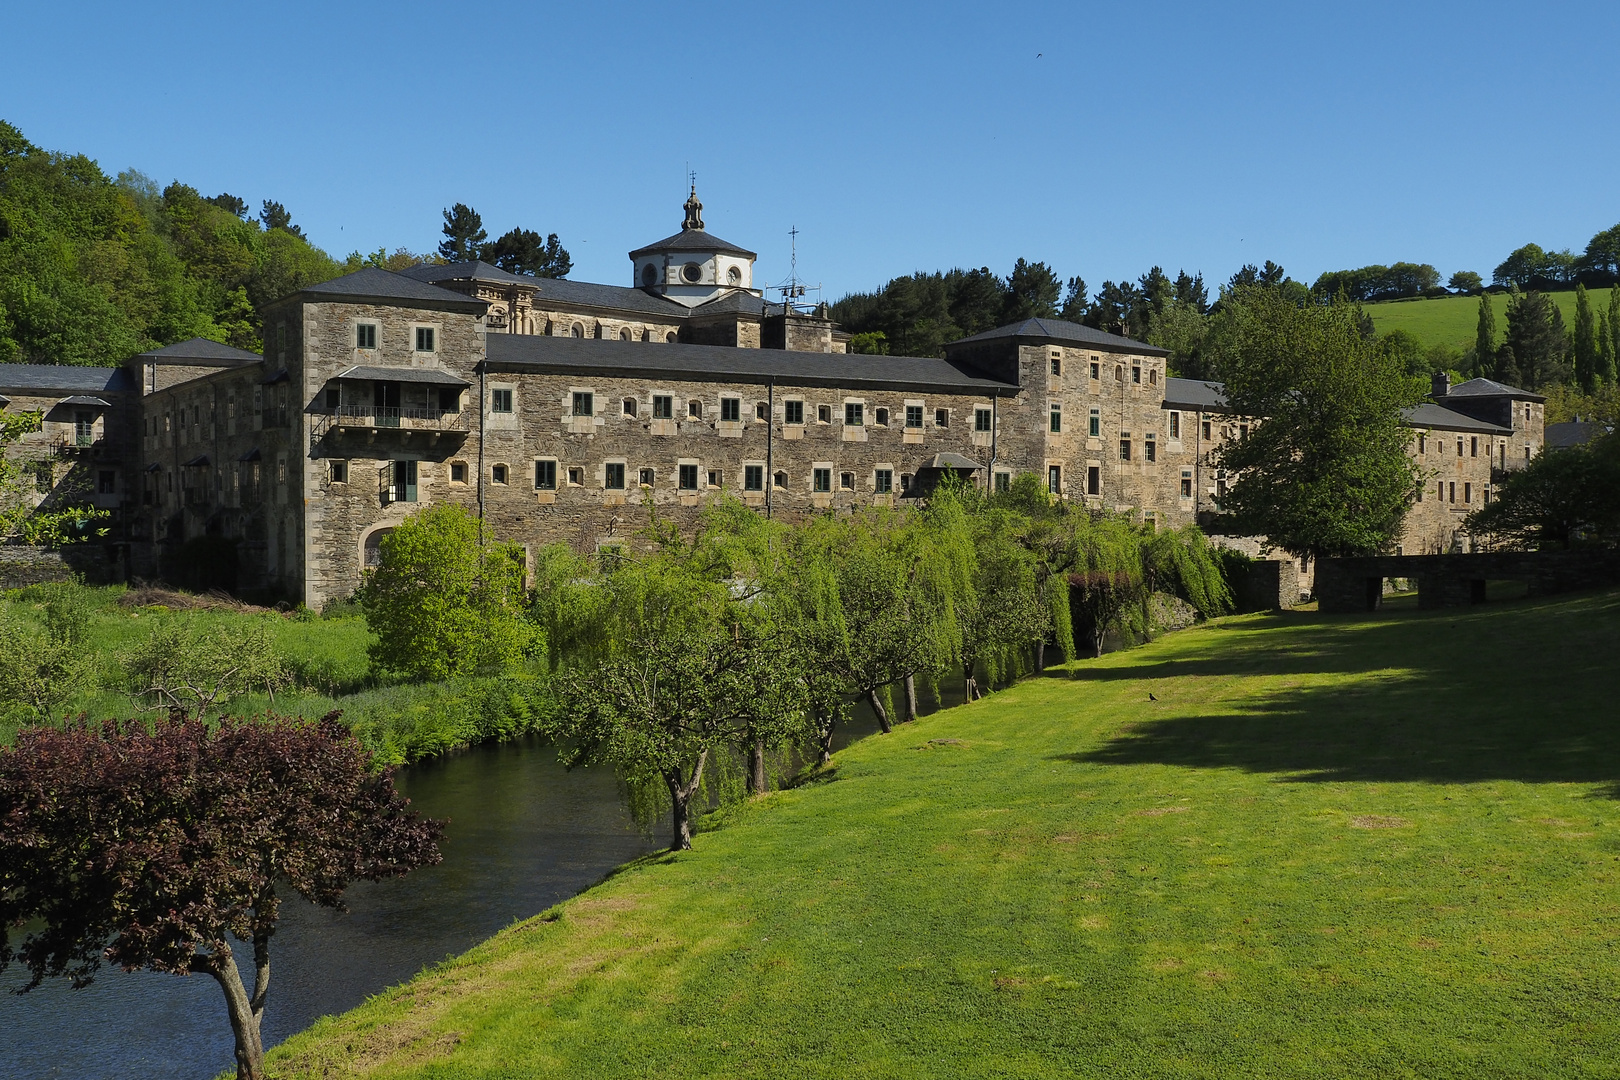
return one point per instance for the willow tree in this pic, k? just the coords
(1003, 614)
(1105, 574)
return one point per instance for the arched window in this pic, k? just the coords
(373, 547)
(624, 334)
(649, 276)
(578, 330)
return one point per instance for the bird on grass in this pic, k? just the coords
(1151, 697)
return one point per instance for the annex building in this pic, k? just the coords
(561, 411)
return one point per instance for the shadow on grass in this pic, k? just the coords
(1526, 692)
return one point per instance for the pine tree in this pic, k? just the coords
(1606, 369)
(464, 234)
(1585, 345)
(1485, 337)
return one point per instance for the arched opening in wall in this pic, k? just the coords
(649, 276)
(371, 548)
(578, 330)
(624, 334)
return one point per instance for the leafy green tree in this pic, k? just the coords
(976, 301)
(1182, 329)
(1562, 499)
(52, 523)
(523, 251)
(1584, 349)
(1602, 255)
(1032, 292)
(1614, 334)
(1002, 613)
(192, 667)
(1326, 473)
(275, 216)
(1485, 338)
(231, 204)
(464, 235)
(446, 599)
(1606, 359)
(871, 343)
(41, 669)
(1465, 281)
(1191, 291)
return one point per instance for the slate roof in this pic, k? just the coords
(1059, 331)
(1492, 388)
(737, 301)
(1430, 415)
(719, 363)
(200, 349)
(477, 270)
(371, 283)
(66, 378)
(1574, 433)
(1194, 394)
(428, 376)
(610, 297)
(696, 241)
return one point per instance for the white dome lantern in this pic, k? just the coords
(693, 267)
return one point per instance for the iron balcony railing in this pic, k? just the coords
(375, 417)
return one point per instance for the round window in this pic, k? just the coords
(692, 272)
(734, 276)
(649, 276)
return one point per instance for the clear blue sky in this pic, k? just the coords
(1100, 138)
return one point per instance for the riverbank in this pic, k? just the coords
(1322, 847)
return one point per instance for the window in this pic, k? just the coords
(883, 481)
(1473, 446)
(730, 409)
(404, 481)
(854, 414)
(106, 482)
(1423, 444)
(646, 478)
(846, 481)
(1003, 481)
(545, 475)
(584, 403)
(1186, 484)
(334, 397)
(1420, 493)
(1136, 373)
(688, 478)
(613, 476)
(716, 478)
(498, 474)
(458, 472)
(1527, 455)
(1206, 431)
(914, 416)
(663, 407)
(450, 401)
(1093, 480)
(1119, 373)
(1220, 488)
(824, 414)
(500, 401)
(793, 412)
(905, 482)
(1440, 491)
(1468, 493)
(1054, 479)
(629, 406)
(821, 480)
(780, 479)
(762, 410)
(624, 334)
(1175, 425)
(1150, 448)
(694, 409)
(1096, 371)
(424, 339)
(1243, 431)
(1153, 376)
(1055, 418)
(942, 418)
(338, 471)
(576, 477)
(1094, 424)
(84, 426)
(1124, 449)
(1057, 366)
(880, 417)
(365, 336)
(1453, 492)
(1459, 446)
(753, 478)
(981, 419)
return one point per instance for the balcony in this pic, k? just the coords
(81, 445)
(372, 421)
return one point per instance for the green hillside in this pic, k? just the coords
(1331, 847)
(1451, 320)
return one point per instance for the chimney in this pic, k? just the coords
(1441, 385)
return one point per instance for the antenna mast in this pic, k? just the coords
(793, 290)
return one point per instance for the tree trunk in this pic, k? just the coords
(911, 698)
(757, 783)
(680, 804)
(1040, 656)
(826, 741)
(877, 708)
(244, 1017)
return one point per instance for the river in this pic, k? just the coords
(522, 835)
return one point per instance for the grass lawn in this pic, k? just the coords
(1453, 320)
(1374, 846)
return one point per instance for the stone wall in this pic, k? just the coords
(1351, 585)
(21, 566)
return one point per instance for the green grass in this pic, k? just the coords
(1383, 846)
(1452, 320)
